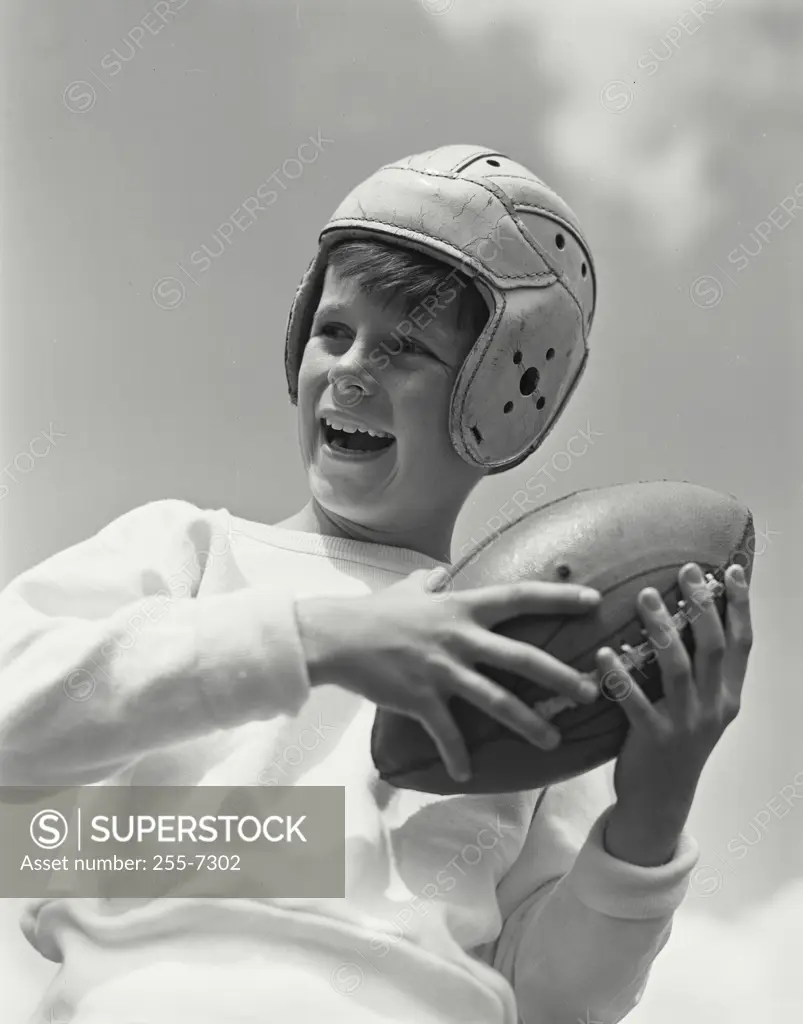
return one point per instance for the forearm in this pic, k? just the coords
(575, 964)
(585, 950)
(80, 700)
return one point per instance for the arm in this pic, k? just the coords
(583, 928)
(103, 657)
(581, 948)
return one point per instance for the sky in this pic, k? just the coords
(675, 136)
(744, 967)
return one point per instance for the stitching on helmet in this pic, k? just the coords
(511, 209)
(399, 231)
(462, 164)
(535, 208)
(525, 177)
(561, 277)
(496, 192)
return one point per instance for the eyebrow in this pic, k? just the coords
(330, 309)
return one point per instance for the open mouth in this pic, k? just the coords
(355, 442)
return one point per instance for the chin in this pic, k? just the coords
(340, 497)
(338, 506)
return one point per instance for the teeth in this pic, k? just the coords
(349, 428)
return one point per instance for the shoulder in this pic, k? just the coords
(167, 520)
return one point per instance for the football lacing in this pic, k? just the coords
(637, 657)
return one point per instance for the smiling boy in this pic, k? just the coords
(545, 907)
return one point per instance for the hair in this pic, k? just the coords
(396, 273)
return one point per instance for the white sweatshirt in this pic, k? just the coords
(165, 651)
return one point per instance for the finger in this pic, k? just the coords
(441, 726)
(530, 662)
(707, 629)
(502, 706)
(738, 629)
(500, 602)
(677, 676)
(618, 685)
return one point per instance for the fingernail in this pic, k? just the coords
(463, 776)
(694, 574)
(738, 575)
(651, 599)
(551, 740)
(589, 596)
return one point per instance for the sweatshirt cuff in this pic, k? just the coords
(251, 661)
(619, 889)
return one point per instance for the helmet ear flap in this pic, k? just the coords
(510, 465)
(299, 322)
(515, 381)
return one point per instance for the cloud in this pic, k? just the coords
(626, 74)
(739, 971)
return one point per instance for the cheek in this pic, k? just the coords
(312, 374)
(310, 360)
(423, 403)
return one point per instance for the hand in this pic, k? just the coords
(411, 650)
(669, 742)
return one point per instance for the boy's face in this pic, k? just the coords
(417, 478)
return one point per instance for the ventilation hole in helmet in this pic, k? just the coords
(475, 430)
(540, 403)
(517, 357)
(560, 241)
(584, 270)
(494, 163)
(564, 571)
(508, 407)
(529, 380)
(550, 353)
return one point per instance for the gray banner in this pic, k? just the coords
(176, 841)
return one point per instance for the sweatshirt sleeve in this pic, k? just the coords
(107, 650)
(582, 928)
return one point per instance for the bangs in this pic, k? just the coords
(394, 274)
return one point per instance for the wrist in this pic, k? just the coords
(315, 619)
(326, 628)
(643, 836)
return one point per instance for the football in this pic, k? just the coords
(618, 540)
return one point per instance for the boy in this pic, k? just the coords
(434, 340)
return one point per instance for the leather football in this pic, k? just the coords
(618, 540)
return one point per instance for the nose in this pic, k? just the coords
(350, 379)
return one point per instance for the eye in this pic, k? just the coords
(410, 345)
(332, 330)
